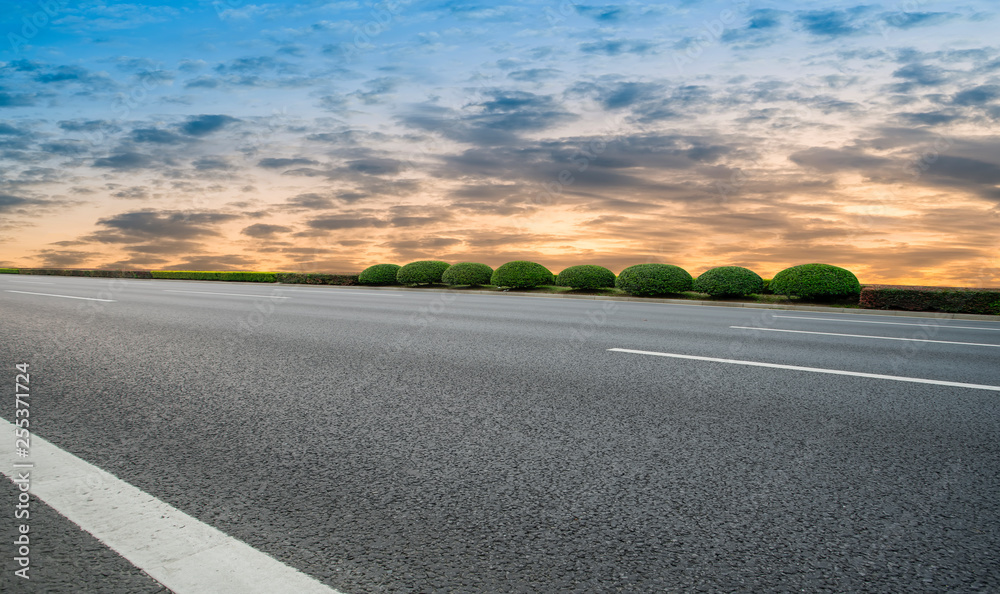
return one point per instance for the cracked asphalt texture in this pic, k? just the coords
(415, 441)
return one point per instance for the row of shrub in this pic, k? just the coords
(87, 273)
(317, 279)
(262, 277)
(217, 275)
(811, 281)
(817, 282)
(943, 299)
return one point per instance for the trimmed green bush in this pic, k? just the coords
(379, 274)
(467, 273)
(218, 275)
(767, 288)
(521, 274)
(821, 282)
(729, 281)
(422, 272)
(586, 276)
(654, 279)
(8, 271)
(317, 279)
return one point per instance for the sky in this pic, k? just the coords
(329, 136)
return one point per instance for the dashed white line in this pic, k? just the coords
(185, 555)
(996, 346)
(892, 323)
(63, 296)
(228, 294)
(897, 378)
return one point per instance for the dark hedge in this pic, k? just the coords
(944, 299)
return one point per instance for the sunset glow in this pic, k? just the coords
(326, 137)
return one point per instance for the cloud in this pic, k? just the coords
(338, 222)
(206, 124)
(921, 75)
(836, 160)
(9, 203)
(156, 136)
(311, 201)
(966, 170)
(617, 47)
(133, 193)
(374, 166)
(88, 125)
(211, 164)
(65, 258)
(17, 99)
(902, 19)
(977, 95)
(8, 130)
(126, 161)
(763, 28)
(150, 225)
(66, 148)
(534, 74)
(499, 119)
(929, 118)
(264, 231)
(280, 163)
(831, 23)
(603, 14)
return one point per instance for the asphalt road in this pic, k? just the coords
(397, 441)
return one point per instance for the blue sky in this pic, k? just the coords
(321, 136)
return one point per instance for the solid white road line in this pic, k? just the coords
(64, 296)
(896, 378)
(996, 346)
(175, 549)
(922, 325)
(228, 294)
(30, 282)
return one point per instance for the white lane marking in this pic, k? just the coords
(893, 323)
(31, 282)
(996, 346)
(64, 296)
(229, 294)
(896, 378)
(175, 549)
